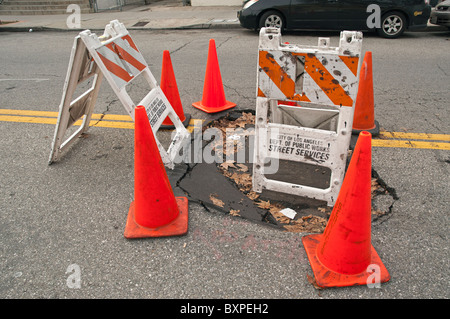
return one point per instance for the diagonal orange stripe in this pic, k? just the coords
(279, 77)
(302, 98)
(329, 85)
(115, 69)
(261, 93)
(130, 41)
(124, 55)
(351, 62)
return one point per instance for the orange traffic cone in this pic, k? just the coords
(213, 99)
(155, 212)
(341, 256)
(364, 116)
(170, 88)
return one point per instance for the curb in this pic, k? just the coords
(188, 27)
(201, 26)
(435, 28)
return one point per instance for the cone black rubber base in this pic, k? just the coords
(374, 131)
(171, 127)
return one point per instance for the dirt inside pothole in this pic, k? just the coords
(232, 191)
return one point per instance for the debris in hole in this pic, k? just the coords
(234, 212)
(216, 201)
(290, 213)
(311, 217)
(240, 175)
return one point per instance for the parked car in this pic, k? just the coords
(394, 16)
(440, 15)
(434, 3)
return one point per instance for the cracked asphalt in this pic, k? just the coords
(74, 211)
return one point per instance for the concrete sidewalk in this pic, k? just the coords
(161, 15)
(167, 14)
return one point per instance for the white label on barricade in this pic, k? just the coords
(155, 111)
(291, 146)
(117, 57)
(158, 108)
(304, 110)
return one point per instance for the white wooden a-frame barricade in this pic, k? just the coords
(114, 56)
(81, 69)
(304, 110)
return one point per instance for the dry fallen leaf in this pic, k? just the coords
(227, 165)
(280, 217)
(252, 195)
(374, 186)
(325, 210)
(243, 180)
(216, 201)
(242, 167)
(248, 117)
(263, 204)
(234, 212)
(378, 212)
(241, 124)
(312, 281)
(310, 224)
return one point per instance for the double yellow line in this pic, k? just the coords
(98, 120)
(412, 140)
(385, 139)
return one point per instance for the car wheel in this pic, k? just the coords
(393, 24)
(272, 19)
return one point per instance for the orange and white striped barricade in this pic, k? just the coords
(81, 69)
(304, 109)
(120, 61)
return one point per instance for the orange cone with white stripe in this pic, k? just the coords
(155, 211)
(213, 99)
(364, 116)
(170, 88)
(343, 255)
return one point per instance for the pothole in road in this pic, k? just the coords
(222, 180)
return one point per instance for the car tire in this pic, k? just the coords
(272, 19)
(393, 24)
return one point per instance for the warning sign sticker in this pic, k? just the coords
(155, 110)
(295, 147)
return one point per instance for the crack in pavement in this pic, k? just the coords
(199, 181)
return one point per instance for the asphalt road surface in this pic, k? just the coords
(66, 221)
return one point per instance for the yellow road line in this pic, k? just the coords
(111, 117)
(41, 117)
(386, 139)
(96, 123)
(30, 113)
(27, 119)
(410, 144)
(415, 136)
